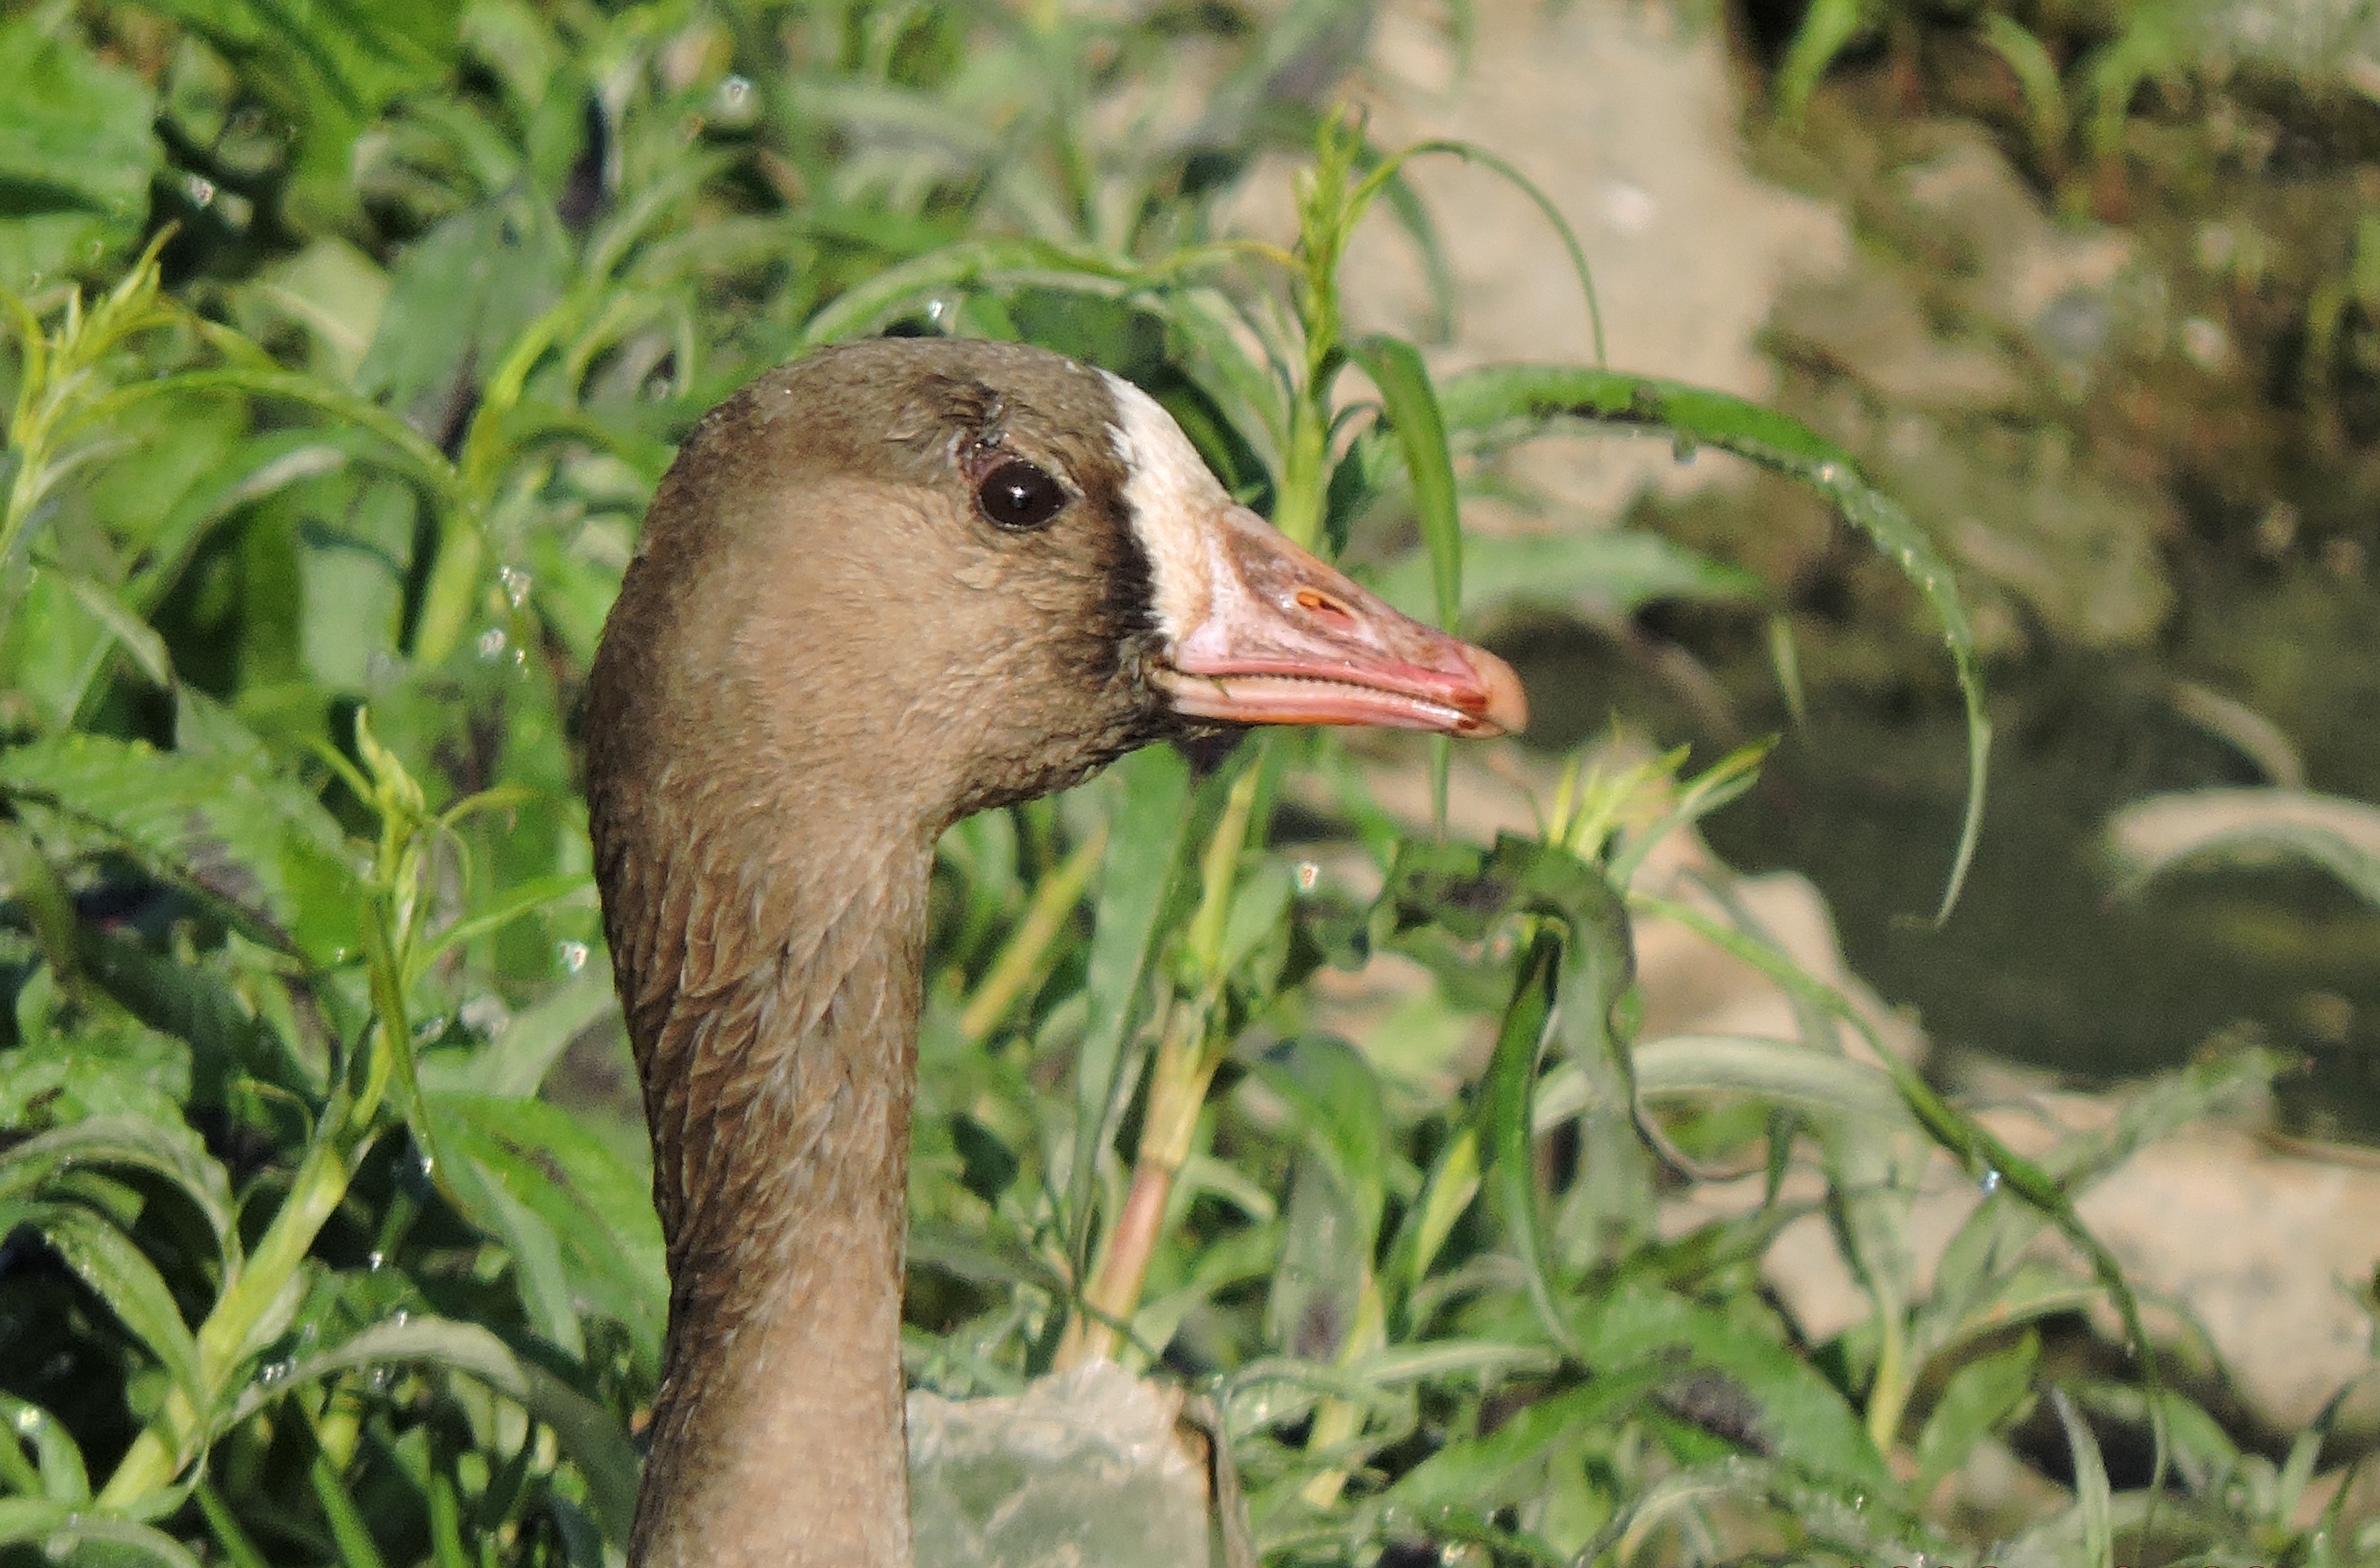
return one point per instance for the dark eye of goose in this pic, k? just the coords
(1018, 496)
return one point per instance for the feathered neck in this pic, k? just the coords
(770, 963)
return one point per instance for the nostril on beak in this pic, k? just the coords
(1321, 603)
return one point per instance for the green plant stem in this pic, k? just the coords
(353, 1536)
(1053, 904)
(1298, 512)
(1188, 1055)
(1340, 1421)
(228, 1336)
(1177, 1090)
(268, 1277)
(237, 1546)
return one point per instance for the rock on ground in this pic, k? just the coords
(1089, 1469)
(1625, 117)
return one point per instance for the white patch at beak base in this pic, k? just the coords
(1177, 505)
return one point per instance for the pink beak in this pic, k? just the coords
(1285, 639)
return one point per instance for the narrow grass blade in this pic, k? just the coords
(1471, 152)
(2092, 1494)
(238, 1548)
(1505, 1125)
(1494, 401)
(1397, 370)
(1827, 28)
(2037, 75)
(140, 639)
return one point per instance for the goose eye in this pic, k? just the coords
(1018, 496)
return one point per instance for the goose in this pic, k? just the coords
(889, 585)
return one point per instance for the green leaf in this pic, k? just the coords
(1763, 1398)
(1580, 957)
(517, 1061)
(1334, 1097)
(1494, 402)
(1239, 1257)
(327, 68)
(2037, 75)
(996, 1258)
(2156, 40)
(1827, 28)
(1396, 368)
(120, 1274)
(1975, 1288)
(580, 1221)
(1453, 1182)
(1505, 1125)
(260, 845)
(1317, 1287)
(1143, 847)
(968, 264)
(1783, 1072)
(140, 639)
(483, 1190)
(2091, 1499)
(195, 1005)
(1978, 1397)
(522, 898)
(460, 297)
(25, 1521)
(349, 1533)
(77, 151)
(1604, 573)
(373, 429)
(28, 877)
(589, 1436)
(169, 1149)
(1508, 1465)
(61, 1476)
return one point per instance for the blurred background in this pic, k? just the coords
(347, 341)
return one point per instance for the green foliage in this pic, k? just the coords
(320, 475)
(2079, 69)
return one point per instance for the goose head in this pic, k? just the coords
(983, 570)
